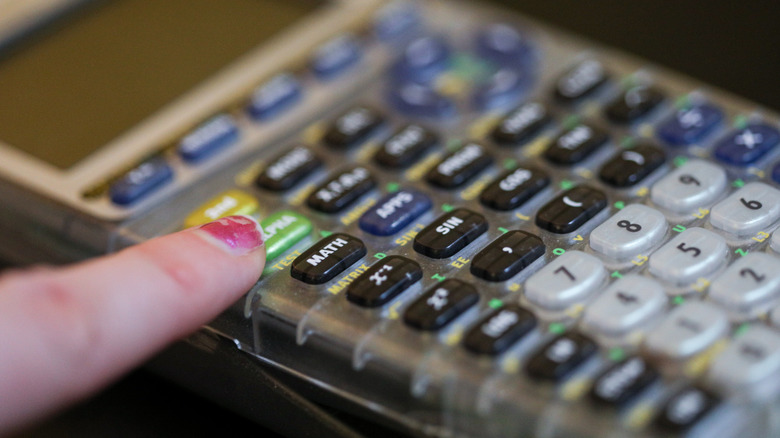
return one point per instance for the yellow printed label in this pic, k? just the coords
(229, 203)
(347, 279)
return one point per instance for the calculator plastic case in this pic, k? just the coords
(367, 360)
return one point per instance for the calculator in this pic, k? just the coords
(476, 225)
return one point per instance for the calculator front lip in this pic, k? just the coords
(232, 84)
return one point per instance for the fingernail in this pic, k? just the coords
(238, 235)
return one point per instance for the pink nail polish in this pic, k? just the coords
(240, 234)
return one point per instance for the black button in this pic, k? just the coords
(383, 281)
(558, 358)
(288, 169)
(341, 190)
(327, 258)
(440, 305)
(633, 103)
(450, 233)
(495, 333)
(506, 256)
(514, 188)
(460, 166)
(353, 127)
(576, 144)
(630, 166)
(405, 147)
(571, 209)
(685, 408)
(521, 124)
(580, 81)
(623, 381)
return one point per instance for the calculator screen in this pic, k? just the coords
(86, 78)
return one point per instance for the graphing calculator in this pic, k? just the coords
(476, 225)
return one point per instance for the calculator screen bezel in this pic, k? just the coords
(289, 49)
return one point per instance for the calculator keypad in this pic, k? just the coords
(571, 209)
(567, 280)
(696, 184)
(450, 233)
(692, 254)
(689, 329)
(750, 209)
(506, 256)
(625, 306)
(633, 230)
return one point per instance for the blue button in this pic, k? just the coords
(393, 212)
(396, 20)
(747, 145)
(503, 89)
(423, 59)
(336, 57)
(416, 100)
(209, 138)
(141, 181)
(690, 125)
(503, 44)
(273, 97)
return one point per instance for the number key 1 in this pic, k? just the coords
(748, 210)
(633, 230)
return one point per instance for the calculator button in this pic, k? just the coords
(353, 128)
(336, 56)
(460, 167)
(747, 145)
(521, 124)
(496, 332)
(690, 125)
(506, 256)
(450, 233)
(504, 45)
(288, 169)
(282, 230)
(580, 81)
(748, 210)
(394, 212)
(384, 281)
(750, 359)
(327, 258)
(558, 358)
(406, 147)
(423, 59)
(623, 381)
(626, 304)
(630, 166)
(141, 181)
(569, 279)
(571, 209)
(688, 330)
(576, 144)
(751, 281)
(685, 408)
(209, 138)
(396, 20)
(774, 243)
(697, 183)
(341, 190)
(694, 253)
(514, 188)
(440, 305)
(274, 97)
(633, 103)
(417, 100)
(230, 203)
(502, 89)
(633, 230)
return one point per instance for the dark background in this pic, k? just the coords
(732, 45)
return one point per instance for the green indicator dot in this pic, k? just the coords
(740, 122)
(571, 121)
(738, 183)
(495, 303)
(453, 145)
(616, 354)
(324, 233)
(393, 187)
(447, 208)
(616, 274)
(566, 184)
(678, 300)
(510, 163)
(683, 102)
(556, 328)
(503, 230)
(559, 251)
(628, 142)
(741, 330)
(680, 161)
(468, 67)
(620, 205)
